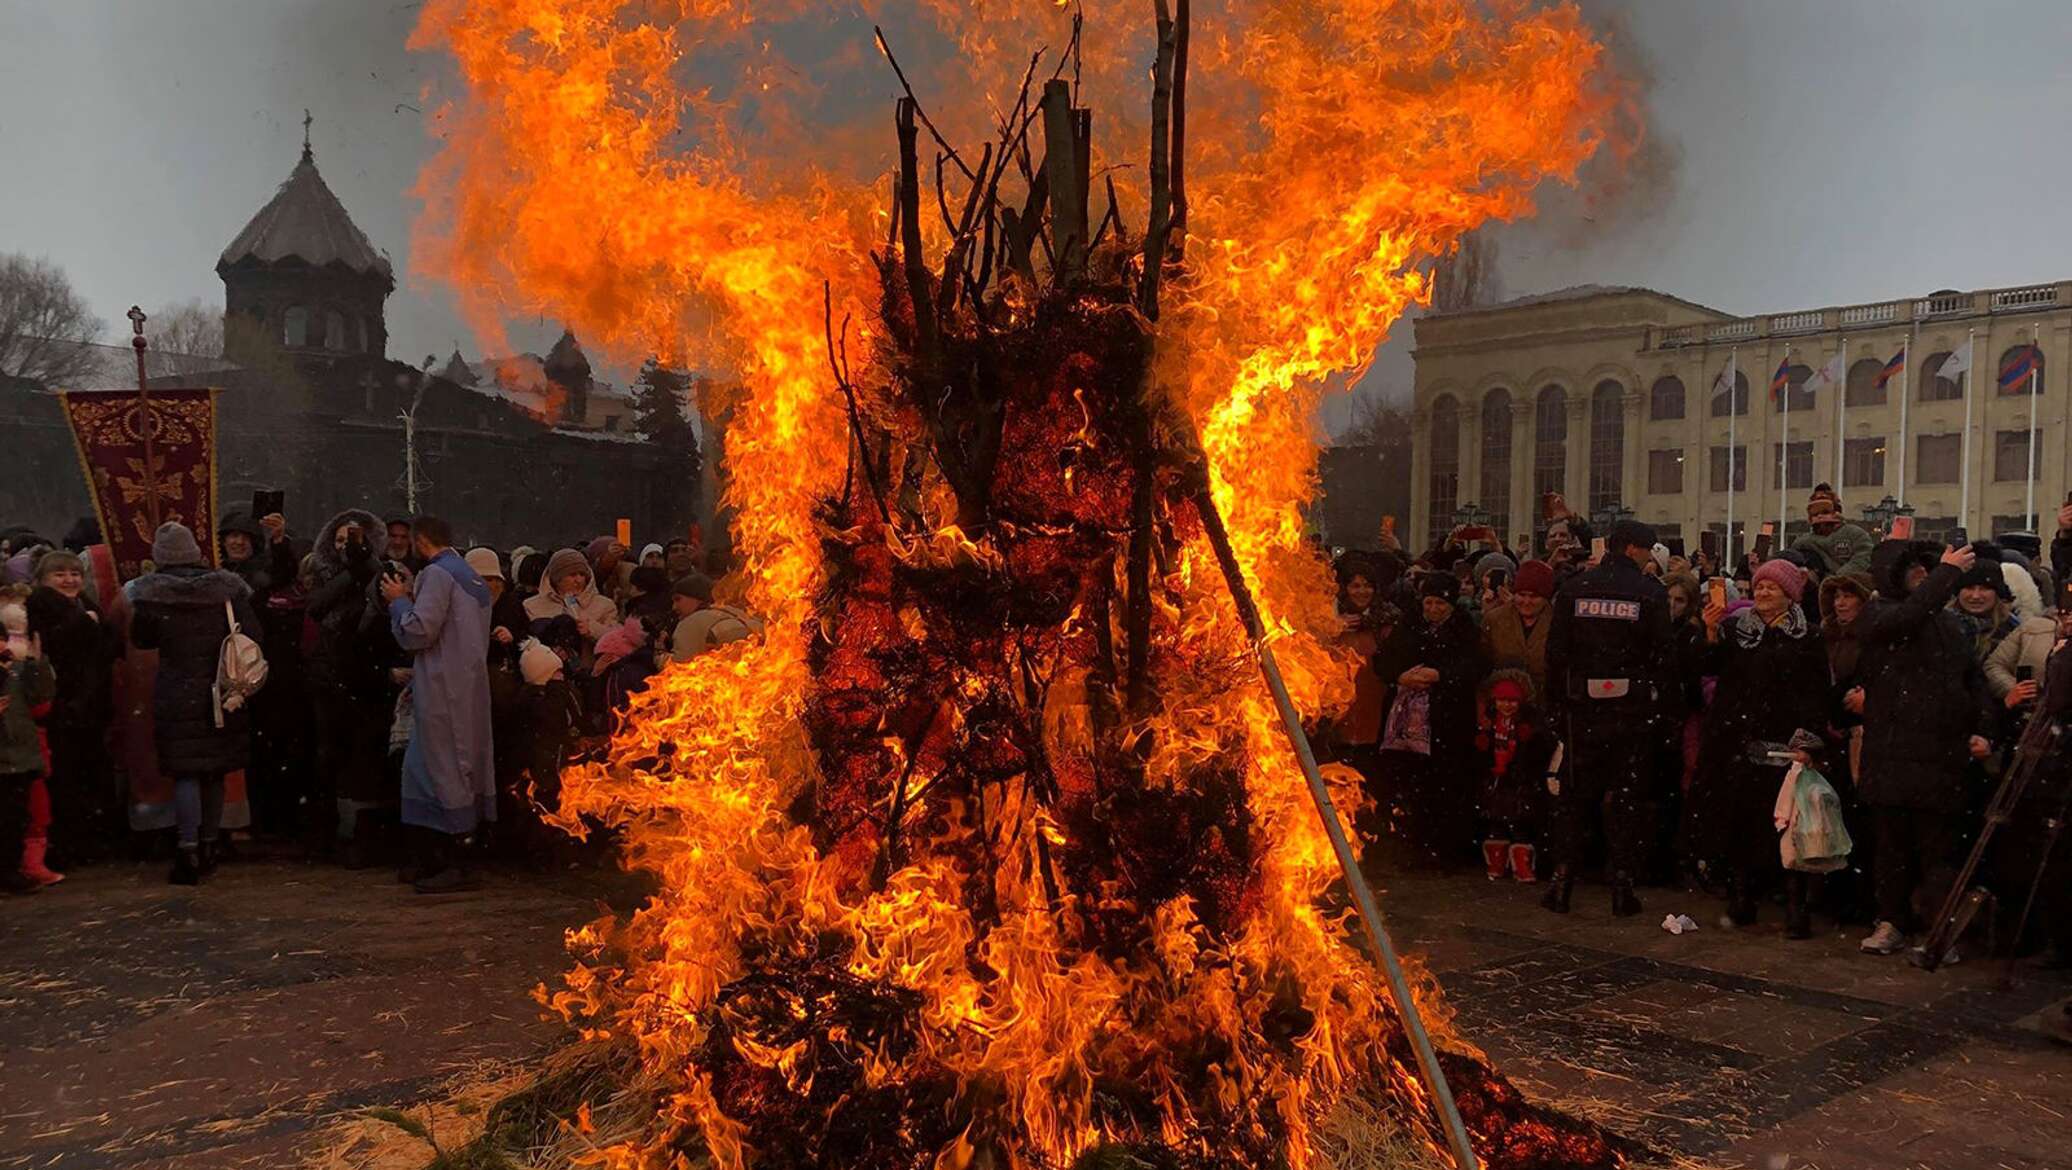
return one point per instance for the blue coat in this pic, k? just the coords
(449, 770)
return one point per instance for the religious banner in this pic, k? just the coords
(108, 432)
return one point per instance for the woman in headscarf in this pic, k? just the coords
(569, 586)
(1434, 662)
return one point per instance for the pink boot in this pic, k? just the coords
(1524, 863)
(32, 863)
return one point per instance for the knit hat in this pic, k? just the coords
(1507, 688)
(1986, 572)
(1536, 577)
(14, 619)
(57, 559)
(484, 562)
(651, 547)
(1661, 554)
(1784, 575)
(174, 544)
(1440, 585)
(537, 663)
(1491, 562)
(697, 585)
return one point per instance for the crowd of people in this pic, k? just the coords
(1821, 726)
(376, 691)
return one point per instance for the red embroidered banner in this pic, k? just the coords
(108, 431)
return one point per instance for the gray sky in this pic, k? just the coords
(1826, 151)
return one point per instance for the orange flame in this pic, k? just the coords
(659, 175)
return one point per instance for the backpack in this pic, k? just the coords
(240, 668)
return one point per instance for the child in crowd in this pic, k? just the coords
(27, 684)
(551, 716)
(1515, 752)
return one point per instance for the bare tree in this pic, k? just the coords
(44, 325)
(192, 327)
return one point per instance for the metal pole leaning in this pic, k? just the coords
(1363, 896)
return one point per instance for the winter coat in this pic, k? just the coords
(1845, 550)
(1924, 694)
(336, 604)
(1506, 642)
(1361, 724)
(2029, 645)
(1773, 680)
(179, 613)
(81, 646)
(1511, 767)
(28, 684)
(1454, 649)
(551, 718)
(711, 626)
(588, 605)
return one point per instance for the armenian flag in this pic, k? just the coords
(2017, 367)
(1780, 380)
(1894, 366)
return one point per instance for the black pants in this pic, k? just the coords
(1912, 845)
(14, 818)
(1607, 784)
(86, 818)
(2016, 855)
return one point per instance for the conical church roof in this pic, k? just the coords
(305, 221)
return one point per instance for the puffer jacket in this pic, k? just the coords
(28, 682)
(179, 613)
(1924, 695)
(2028, 646)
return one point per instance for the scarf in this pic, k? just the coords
(1750, 626)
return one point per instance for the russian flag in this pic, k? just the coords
(1780, 380)
(1894, 366)
(2017, 367)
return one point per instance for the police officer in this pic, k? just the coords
(1610, 669)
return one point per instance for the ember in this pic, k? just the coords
(994, 852)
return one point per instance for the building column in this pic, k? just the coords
(1470, 453)
(1525, 503)
(1576, 476)
(1411, 533)
(1633, 454)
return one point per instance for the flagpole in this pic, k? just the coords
(1841, 411)
(1733, 404)
(1784, 447)
(1906, 354)
(2035, 368)
(1964, 493)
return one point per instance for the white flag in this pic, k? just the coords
(1957, 363)
(1827, 375)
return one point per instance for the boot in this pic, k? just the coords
(33, 852)
(1740, 903)
(186, 866)
(443, 872)
(1494, 858)
(205, 858)
(1625, 903)
(1524, 863)
(1798, 915)
(1559, 887)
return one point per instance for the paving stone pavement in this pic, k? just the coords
(1740, 1048)
(143, 1025)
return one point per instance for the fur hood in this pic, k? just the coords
(327, 559)
(188, 586)
(1857, 583)
(2028, 599)
(1891, 559)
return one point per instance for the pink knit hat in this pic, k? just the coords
(1784, 575)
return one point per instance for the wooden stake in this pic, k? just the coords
(1161, 167)
(1067, 188)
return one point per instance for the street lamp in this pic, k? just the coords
(1882, 513)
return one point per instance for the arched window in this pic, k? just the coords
(2021, 370)
(1935, 387)
(1719, 394)
(1607, 444)
(1864, 388)
(1445, 470)
(1496, 461)
(1666, 399)
(334, 330)
(295, 327)
(1549, 449)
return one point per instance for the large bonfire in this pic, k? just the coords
(992, 852)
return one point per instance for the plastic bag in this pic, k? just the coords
(1808, 815)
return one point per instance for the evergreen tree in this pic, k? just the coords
(660, 396)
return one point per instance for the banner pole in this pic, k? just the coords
(147, 424)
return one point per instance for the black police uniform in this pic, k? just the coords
(1611, 670)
